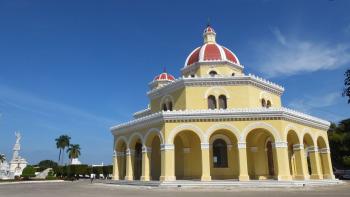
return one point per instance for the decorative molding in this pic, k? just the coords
(120, 154)
(312, 149)
(142, 113)
(298, 147)
(216, 81)
(260, 125)
(324, 150)
(182, 127)
(129, 152)
(237, 114)
(241, 145)
(153, 130)
(280, 144)
(196, 65)
(167, 147)
(146, 149)
(205, 145)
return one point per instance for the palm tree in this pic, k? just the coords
(61, 143)
(73, 151)
(2, 158)
(346, 91)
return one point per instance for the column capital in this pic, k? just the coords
(205, 145)
(167, 147)
(280, 144)
(298, 147)
(241, 145)
(312, 149)
(146, 149)
(129, 152)
(119, 154)
(324, 150)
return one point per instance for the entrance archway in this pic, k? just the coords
(295, 165)
(224, 161)
(121, 154)
(261, 154)
(155, 159)
(138, 161)
(323, 154)
(308, 145)
(188, 156)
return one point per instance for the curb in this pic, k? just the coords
(29, 182)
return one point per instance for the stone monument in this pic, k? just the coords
(16, 165)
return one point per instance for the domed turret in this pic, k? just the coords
(162, 79)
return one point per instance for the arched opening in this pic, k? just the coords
(170, 104)
(224, 161)
(211, 102)
(188, 155)
(165, 108)
(263, 103)
(233, 74)
(121, 154)
(308, 146)
(268, 104)
(222, 102)
(324, 162)
(295, 165)
(220, 154)
(213, 73)
(261, 154)
(137, 167)
(155, 159)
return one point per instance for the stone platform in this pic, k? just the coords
(227, 183)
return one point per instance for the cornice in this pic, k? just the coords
(239, 114)
(216, 81)
(194, 66)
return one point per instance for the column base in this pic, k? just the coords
(302, 177)
(243, 178)
(328, 176)
(145, 178)
(284, 177)
(206, 178)
(167, 178)
(115, 178)
(316, 176)
(129, 178)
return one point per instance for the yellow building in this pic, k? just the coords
(216, 122)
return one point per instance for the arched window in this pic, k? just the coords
(165, 108)
(268, 104)
(170, 106)
(222, 102)
(211, 102)
(220, 154)
(263, 103)
(233, 74)
(213, 73)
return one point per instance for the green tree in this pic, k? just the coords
(2, 158)
(44, 164)
(28, 172)
(62, 142)
(339, 142)
(73, 151)
(346, 91)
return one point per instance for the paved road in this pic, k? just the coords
(84, 188)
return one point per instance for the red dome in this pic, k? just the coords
(164, 77)
(211, 51)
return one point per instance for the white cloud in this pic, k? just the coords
(41, 107)
(293, 56)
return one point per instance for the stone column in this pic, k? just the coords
(327, 163)
(146, 154)
(315, 163)
(115, 167)
(167, 162)
(282, 161)
(301, 166)
(242, 157)
(129, 168)
(205, 162)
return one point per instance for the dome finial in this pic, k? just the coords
(209, 34)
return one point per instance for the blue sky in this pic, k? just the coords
(79, 67)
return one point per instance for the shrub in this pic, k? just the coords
(28, 172)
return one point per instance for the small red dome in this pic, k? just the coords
(209, 29)
(164, 77)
